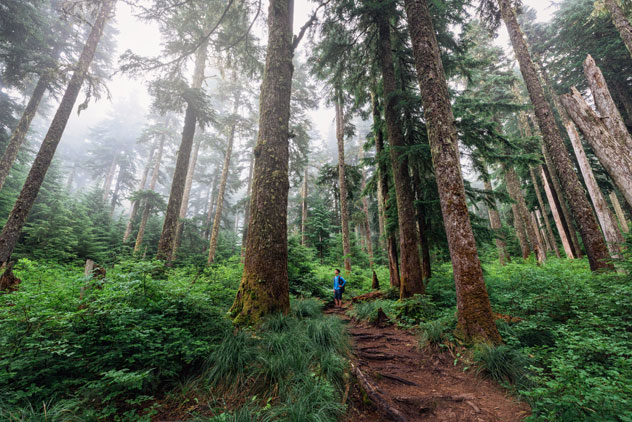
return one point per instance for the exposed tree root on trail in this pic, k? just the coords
(398, 382)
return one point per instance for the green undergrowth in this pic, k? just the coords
(146, 337)
(569, 347)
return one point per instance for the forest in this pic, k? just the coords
(188, 187)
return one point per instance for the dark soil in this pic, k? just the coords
(419, 385)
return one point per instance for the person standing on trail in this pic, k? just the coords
(339, 287)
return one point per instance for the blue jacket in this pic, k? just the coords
(337, 284)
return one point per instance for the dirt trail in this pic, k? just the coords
(418, 385)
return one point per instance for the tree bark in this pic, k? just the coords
(496, 224)
(411, 279)
(244, 236)
(146, 207)
(620, 22)
(560, 202)
(367, 220)
(422, 227)
(342, 184)
(521, 233)
(185, 196)
(619, 212)
(20, 131)
(543, 232)
(606, 219)
(388, 239)
(549, 231)
(264, 285)
(22, 207)
(557, 217)
(615, 158)
(222, 185)
(211, 208)
(589, 228)
(475, 319)
(610, 115)
(513, 188)
(170, 225)
(109, 178)
(135, 204)
(304, 209)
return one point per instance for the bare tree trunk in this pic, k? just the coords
(20, 131)
(420, 210)
(606, 107)
(135, 204)
(22, 207)
(620, 22)
(619, 212)
(170, 225)
(411, 280)
(543, 233)
(496, 224)
(536, 229)
(521, 233)
(557, 217)
(109, 178)
(606, 219)
(475, 319)
(367, 220)
(613, 156)
(513, 188)
(222, 185)
(264, 285)
(342, 184)
(211, 208)
(117, 189)
(596, 248)
(387, 239)
(304, 209)
(558, 198)
(244, 236)
(185, 196)
(549, 231)
(146, 207)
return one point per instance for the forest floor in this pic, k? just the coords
(418, 385)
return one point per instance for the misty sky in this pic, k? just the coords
(144, 39)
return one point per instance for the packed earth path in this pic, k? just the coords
(397, 381)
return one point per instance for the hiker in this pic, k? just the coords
(339, 288)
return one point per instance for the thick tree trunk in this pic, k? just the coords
(135, 204)
(606, 219)
(549, 231)
(615, 157)
(20, 131)
(496, 224)
(22, 207)
(411, 279)
(557, 216)
(146, 207)
(584, 216)
(185, 196)
(475, 319)
(619, 212)
(387, 239)
(620, 22)
(342, 184)
(244, 236)
(222, 185)
(170, 225)
(606, 107)
(264, 285)
(513, 188)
